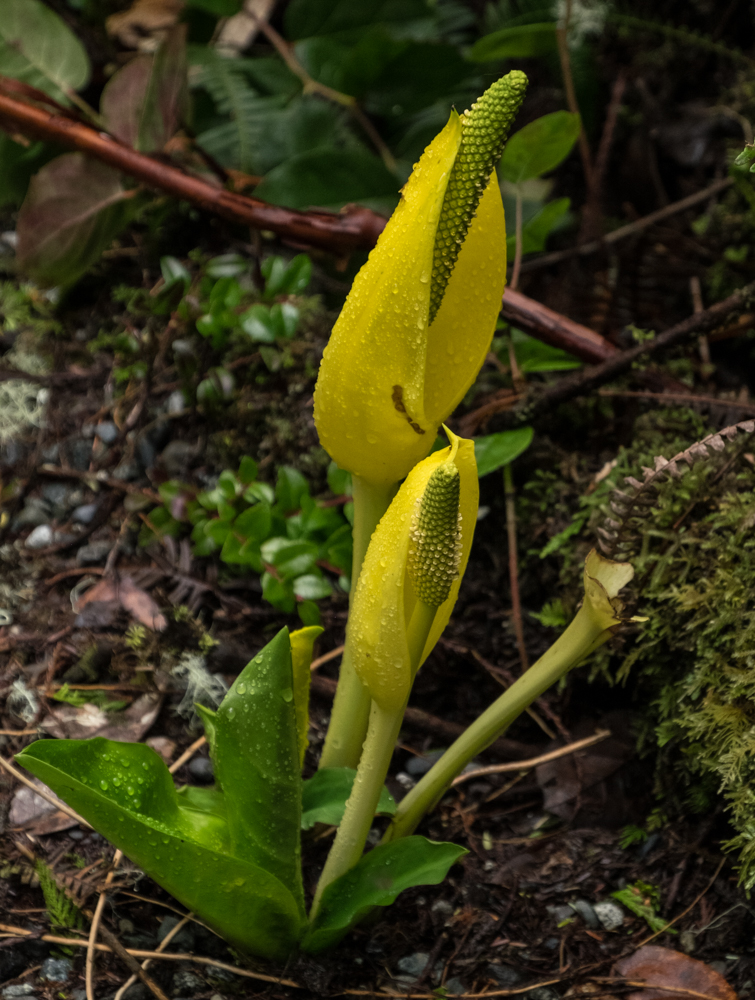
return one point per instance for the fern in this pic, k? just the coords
(686, 36)
(62, 910)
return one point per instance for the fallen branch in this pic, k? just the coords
(554, 329)
(584, 382)
(353, 229)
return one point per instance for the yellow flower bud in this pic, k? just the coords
(420, 316)
(418, 552)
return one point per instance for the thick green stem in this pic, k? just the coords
(579, 639)
(351, 707)
(347, 848)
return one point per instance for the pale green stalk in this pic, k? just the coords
(579, 639)
(351, 706)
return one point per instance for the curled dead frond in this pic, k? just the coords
(630, 507)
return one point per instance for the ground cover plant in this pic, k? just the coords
(167, 511)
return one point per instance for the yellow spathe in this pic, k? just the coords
(385, 598)
(388, 379)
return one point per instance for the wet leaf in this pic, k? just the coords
(126, 791)
(671, 975)
(72, 210)
(376, 881)
(38, 47)
(324, 797)
(540, 146)
(495, 450)
(522, 41)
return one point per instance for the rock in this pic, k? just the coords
(35, 512)
(417, 766)
(50, 454)
(201, 769)
(40, 538)
(126, 470)
(183, 348)
(413, 965)
(58, 494)
(85, 513)
(145, 451)
(442, 909)
(183, 941)
(177, 457)
(56, 970)
(176, 402)
(185, 982)
(93, 554)
(137, 991)
(551, 943)
(609, 914)
(505, 975)
(17, 990)
(80, 453)
(561, 913)
(455, 985)
(588, 914)
(107, 432)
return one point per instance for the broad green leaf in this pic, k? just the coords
(254, 522)
(330, 178)
(339, 480)
(38, 47)
(524, 41)
(284, 278)
(72, 211)
(533, 355)
(247, 470)
(302, 643)
(325, 794)
(257, 324)
(279, 593)
(311, 587)
(539, 146)
(127, 793)
(376, 881)
(227, 265)
(256, 759)
(321, 17)
(538, 227)
(290, 488)
(417, 77)
(291, 557)
(496, 450)
(285, 319)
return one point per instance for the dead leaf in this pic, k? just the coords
(132, 598)
(670, 975)
(144, 23)
(165, 747)
(99, 614)
(71, 722)
(36, 815)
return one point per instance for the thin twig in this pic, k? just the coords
(631, 228)
(554, 329)
(691, 906)
(43, 793)
(187, 754)
(94, 927)
(562, 38)
(526, 765)
(326, 657)
(161, 947)
(679, 397)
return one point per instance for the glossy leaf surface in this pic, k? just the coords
(376, 881)
(324, 797)
(540, 146)
(496, 450)
(127, 792)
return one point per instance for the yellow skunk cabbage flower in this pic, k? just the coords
(417, 555)
(420, 316)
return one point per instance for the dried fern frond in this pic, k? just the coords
(629, 508)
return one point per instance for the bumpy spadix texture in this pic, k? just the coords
(389, 375)
(484, 130)
(386, 594)
(435, 537)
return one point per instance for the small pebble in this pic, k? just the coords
(588, 914)
(186, 982)
(176, 402)
(201, 769)
(442, 908)
(417, 766)
(455, 985)
(85, 513)
(50, 454)
(126, 470)
(80, 452)
(56, 969)
(93, 554)
(183, 941)
(561, 913)
(107, 432)
(17, 990)
(413, 965)
(505, 975)
(177, 457)
(145, 452)
(35, 512)
(56, 493)
(609, 914)
(40, 538)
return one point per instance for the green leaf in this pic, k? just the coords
(286, 279)
(308, 613)
(496, 450)
(258, 325)
(376, 881)
(321, 17)
(635, 899)
(290, 488)
(533, 355)
(539, 146)
(524, 41)
(126, 792)
(291, 557)
(311, 587)
(538, 227)
(247, 470)
(38, 47)
(339, 480)
(256, 759)
(279, 593)
(227, 265)
(324, 797)
(330, 178)
(72, 211)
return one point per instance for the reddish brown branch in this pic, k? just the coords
(356, 228)
(555, 329)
